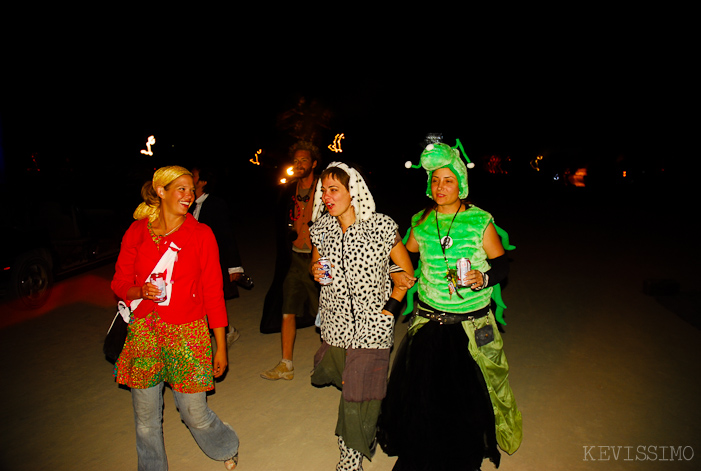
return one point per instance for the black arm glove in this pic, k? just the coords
(499, 269)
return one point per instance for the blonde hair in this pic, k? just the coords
(164, 176)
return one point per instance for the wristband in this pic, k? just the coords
(485, 282)
(393, 306)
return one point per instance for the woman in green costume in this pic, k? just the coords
(449, 404)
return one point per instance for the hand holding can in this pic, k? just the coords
(158, 279)
(323, 275)
(463, 266)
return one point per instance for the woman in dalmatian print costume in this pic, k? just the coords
(356, 311)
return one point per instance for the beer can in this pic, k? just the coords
(159, 280)
(326, 278)
(463, 266)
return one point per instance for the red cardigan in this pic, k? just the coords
(197, 278)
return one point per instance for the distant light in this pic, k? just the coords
(535, 162)
(494, 165)
(255, 162)
(151, 141)
(336, 146)
(290, 171)
(624, 174)
(35, 164)
(577, 178)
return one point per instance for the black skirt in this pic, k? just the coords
(437, 414)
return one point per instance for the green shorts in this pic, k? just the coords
(300, 293)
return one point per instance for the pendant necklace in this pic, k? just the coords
(173, 229)
(445, 243)
(158, 237)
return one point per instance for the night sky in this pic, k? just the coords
(587, 107)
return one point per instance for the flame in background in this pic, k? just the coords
(535, 162)
(256, 162)
(151, 141)
(336, 146)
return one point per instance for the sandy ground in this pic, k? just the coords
(606, 377)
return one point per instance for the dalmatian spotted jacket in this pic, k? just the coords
(350, 308)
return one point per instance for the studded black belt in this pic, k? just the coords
(449, 317)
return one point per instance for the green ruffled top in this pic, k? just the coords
(467, 232)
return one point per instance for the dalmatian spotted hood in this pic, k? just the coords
(361, 199)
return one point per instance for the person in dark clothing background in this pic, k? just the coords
(213, 211)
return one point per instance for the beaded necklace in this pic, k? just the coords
(445, 243)
(158, 237)
(296, 212)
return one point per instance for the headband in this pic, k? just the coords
(162, 177)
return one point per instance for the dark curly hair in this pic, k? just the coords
(308, 146)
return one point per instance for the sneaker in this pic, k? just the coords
(232, 336)
(280, 371)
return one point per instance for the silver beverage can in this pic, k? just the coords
(326, 278)
(160, 282)
(463, 266)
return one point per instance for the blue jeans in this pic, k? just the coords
(216, 439)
